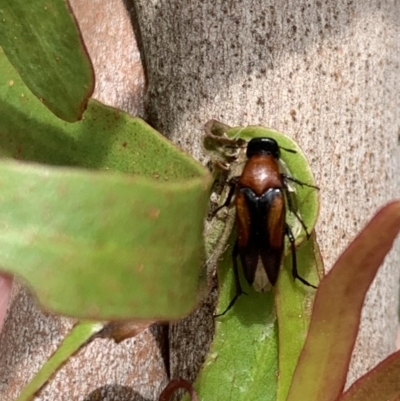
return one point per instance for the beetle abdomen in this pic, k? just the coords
(261, 235)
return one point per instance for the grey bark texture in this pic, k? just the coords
(326, 73)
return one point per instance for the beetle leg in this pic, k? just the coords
(239, 291)
(291, 209)
(295, 180)
(232, 183)
(295, 273)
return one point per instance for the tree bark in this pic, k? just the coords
(325, 73)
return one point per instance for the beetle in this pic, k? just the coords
(261, 198)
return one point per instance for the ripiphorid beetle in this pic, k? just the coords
(261, 199)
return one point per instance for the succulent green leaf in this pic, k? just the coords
(43, 42)
(110, 224)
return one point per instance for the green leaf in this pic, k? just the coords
(98, 244)
(379, 384)
(78, 337)
(43, 42)
(322, 369)
(293, 307)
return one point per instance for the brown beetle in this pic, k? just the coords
(261, 197)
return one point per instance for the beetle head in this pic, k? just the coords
(263, 145)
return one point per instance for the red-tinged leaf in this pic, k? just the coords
(321, 372)
(176, 384)
(380, 384)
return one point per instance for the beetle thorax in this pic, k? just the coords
(261, 173)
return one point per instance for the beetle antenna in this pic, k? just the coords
(287, 150)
